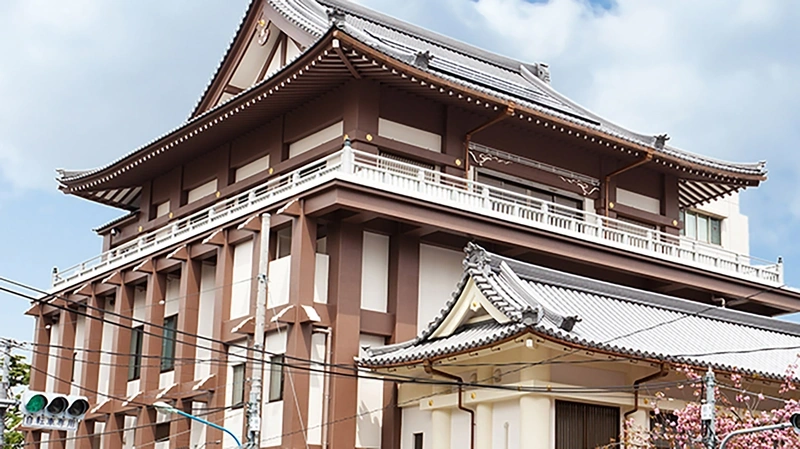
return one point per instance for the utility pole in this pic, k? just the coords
(5, 403)
(708, 411)
(254, 404)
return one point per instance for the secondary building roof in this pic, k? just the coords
(520, 298)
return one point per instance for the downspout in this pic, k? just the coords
(509, 112)
(661, 373)
(647, 158)
(433, 371)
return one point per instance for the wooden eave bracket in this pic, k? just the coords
(207, 383)
(114, 279)
(146, 266)
(168, 390)
(103, 407)
(181, 253)
(251, 224)
(84, 290)
(217, 238)
(337, 47)
(246, 326)
(292, 209)
(131, 398)
(287, 315)
(308, 315)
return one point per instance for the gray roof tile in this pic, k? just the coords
(614, 318)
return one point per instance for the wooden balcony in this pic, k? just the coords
(390, 175)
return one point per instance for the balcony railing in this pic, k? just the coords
(431, 186)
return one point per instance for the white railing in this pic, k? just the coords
(432, 186)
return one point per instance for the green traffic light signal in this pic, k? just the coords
(36, 403)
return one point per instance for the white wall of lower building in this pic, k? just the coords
(440, 270)
(52, 358)
(505, 425)
(316, 387)
(106, 348)
(459, 429)
(80, 356)
(416, 421)
(198, 430)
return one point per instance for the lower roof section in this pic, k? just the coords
(595, 315)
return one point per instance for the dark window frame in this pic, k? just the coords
(276, 378)
(168, 343)
(238, 385)
(580, 425)
(136, 346)
(162, 432)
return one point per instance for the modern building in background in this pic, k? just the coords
(381, 151)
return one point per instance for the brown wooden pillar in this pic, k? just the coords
(298, 340)
(90, 358)
(361, 111)
(189, 306)
(62, 372)
(145, 434)
(345, 243)
(39, 360)
(222, 307)
(403, 300)
(118, 379)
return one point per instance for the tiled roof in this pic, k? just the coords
(599, 315)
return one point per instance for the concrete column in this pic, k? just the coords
(441, 429)
(222, 307)
(121, 347)
(62, 372)
(151, 353)
(534, 419)
(189, 300)
(298, 338)
(345, 244)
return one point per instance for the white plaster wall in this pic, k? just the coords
(172, 296)
(279, 272)
(410, 135)
(197, 431)
(139, 305)
(375, 272)
(242, 279)
(440, 271)
(52, 358)
(272, 412)
(292, 49)
(321, 278)
(459, 429)
(251, 63)
(639, 201)
(316, 388)
(80, 356)
(316, 139)
(202, 191)
(275, 62)
(205, 321)
(735, 225)
(234, 418)
(415, 421)
(370, 401)
(252, 168)
(129, 435)
(505, 425)
(106, 347)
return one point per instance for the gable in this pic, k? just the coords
(263, 45)
(470, 307)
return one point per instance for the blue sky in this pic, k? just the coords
(83, 82)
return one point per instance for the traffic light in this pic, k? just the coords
(795, 422)
(42, 410)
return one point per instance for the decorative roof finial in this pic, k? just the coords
(336, 17)
(476, 257)
(543, 71)
(422, 59)
(661, 140)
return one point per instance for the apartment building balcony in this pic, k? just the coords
(426, 185)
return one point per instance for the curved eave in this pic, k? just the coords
(377, 65)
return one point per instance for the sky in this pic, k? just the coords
(83, 82)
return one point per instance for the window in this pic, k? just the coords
(162, 432)
(238, 385)
(580, 426)
(168, 343)
(284, 247)
(135, 363)
(162, 209)
(201, 191)
(276, 378)
(74, 362)
(253, 168)
(699, 226)
(418, 440)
